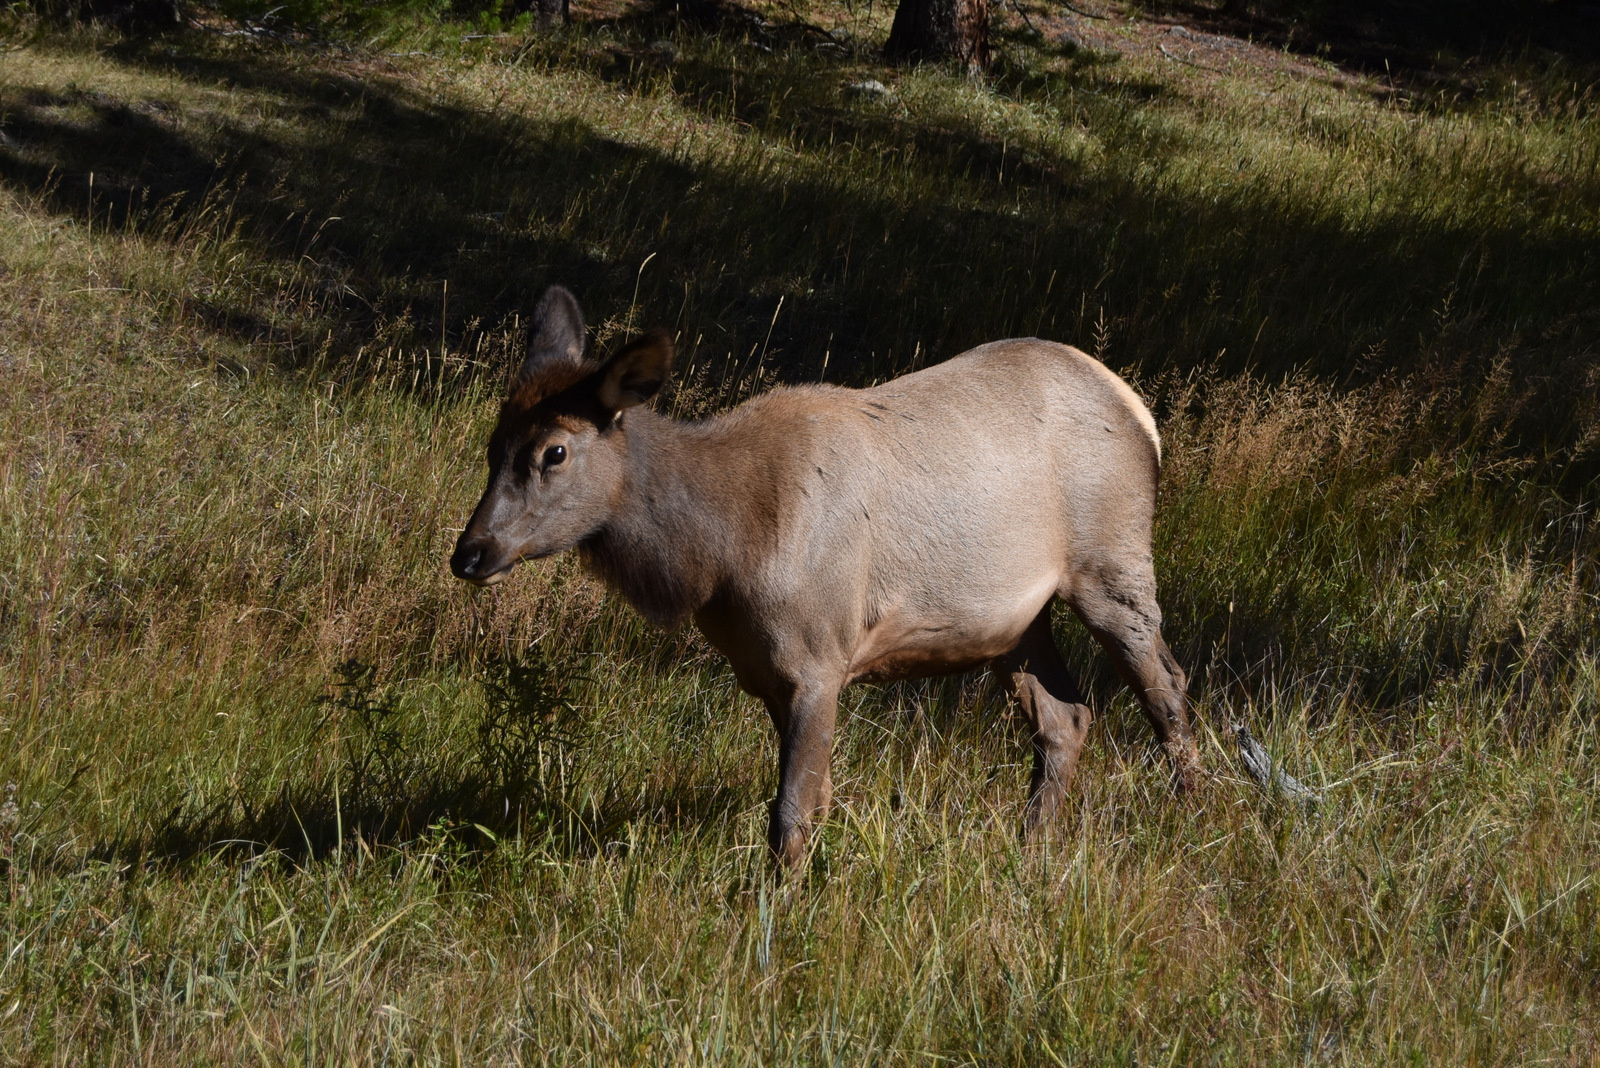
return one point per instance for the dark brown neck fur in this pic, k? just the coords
(677, 524)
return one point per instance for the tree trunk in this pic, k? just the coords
(941, 29)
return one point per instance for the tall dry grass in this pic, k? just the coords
(278, 789)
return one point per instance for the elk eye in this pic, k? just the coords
(554, 455)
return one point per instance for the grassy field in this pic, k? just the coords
(277, 789)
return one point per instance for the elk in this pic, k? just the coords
(820, 536)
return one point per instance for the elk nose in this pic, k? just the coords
(465, 560)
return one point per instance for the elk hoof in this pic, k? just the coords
(789, 845)
(1189, 774)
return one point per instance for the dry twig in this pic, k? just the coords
(1258, 764)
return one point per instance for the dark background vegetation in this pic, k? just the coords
(1418, 37)
(881, 274)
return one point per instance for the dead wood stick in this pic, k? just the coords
(1190, 62)
(1258, 764)
(1016, 4)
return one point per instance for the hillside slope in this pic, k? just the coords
(276, 787)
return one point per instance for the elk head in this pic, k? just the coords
(558, 456)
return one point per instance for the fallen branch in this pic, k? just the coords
(1017, 6)
(1258, 764)
(1081, 11)
(1190, 62)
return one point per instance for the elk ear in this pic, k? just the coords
(638, 372)
(558, 332)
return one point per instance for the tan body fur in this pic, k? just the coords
(820, 536)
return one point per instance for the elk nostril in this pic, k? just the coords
(465, 560)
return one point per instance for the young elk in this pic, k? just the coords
(821, 536)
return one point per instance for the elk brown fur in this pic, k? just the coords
(820, 536)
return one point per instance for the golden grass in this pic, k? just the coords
(283, 791)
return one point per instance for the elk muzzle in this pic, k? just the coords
(479, 560)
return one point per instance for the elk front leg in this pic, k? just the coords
(804, 723)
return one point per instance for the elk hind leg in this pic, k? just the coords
(1036, 676)
(1118, 605)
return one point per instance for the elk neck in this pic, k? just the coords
(676, 529)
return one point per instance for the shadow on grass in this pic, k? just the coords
(919, 239)
(1443, 45)
(314, 824)
(514, 780)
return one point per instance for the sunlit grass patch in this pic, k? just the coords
(276, 787)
